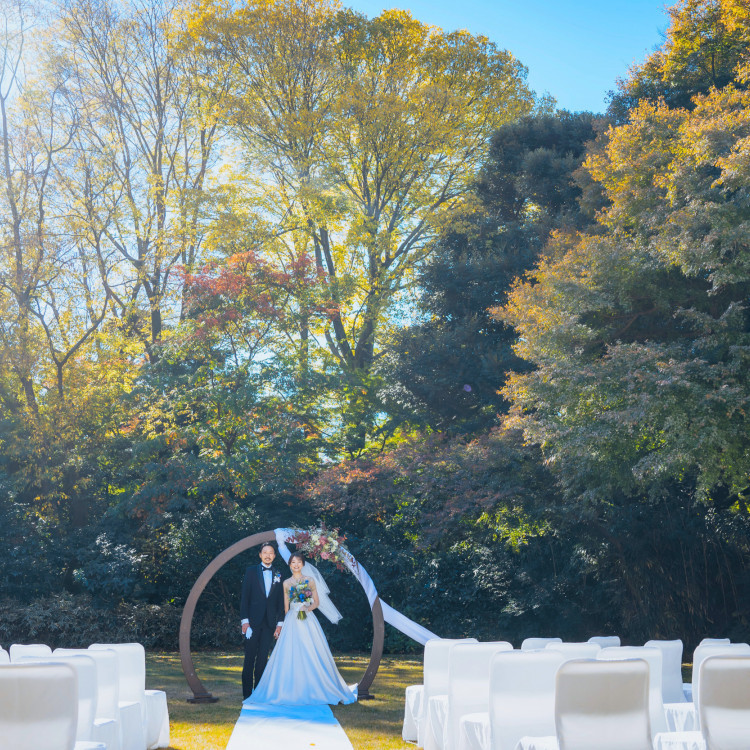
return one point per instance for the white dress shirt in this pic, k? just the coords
(268, 582)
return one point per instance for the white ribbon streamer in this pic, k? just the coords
(392, 616)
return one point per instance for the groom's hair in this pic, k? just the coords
(267, 544)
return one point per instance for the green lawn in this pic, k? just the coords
(369, 725)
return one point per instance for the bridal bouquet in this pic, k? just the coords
(324, 544)
(302, 594)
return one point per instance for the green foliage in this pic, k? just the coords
(341, 357)
(450, 529)
(62, 620)
(639, 334)
(446, 372)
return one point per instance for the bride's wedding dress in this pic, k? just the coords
(301, 670)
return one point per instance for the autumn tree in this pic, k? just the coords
(217, 418)
(363, 136)
(150, 120)
(66, 363)
(705, 41)
(32, 139)
(639, 335)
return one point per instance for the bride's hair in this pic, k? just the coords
(298, 555)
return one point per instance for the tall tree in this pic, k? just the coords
(50, 294)
(364, 136)
(448, 370)
(705, 41)
(149, 124)
(640, 334)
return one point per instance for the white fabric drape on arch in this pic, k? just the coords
(392, 616)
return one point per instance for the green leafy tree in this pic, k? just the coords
(639, 335)
(446, 372)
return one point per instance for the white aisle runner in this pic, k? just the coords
(263, 726)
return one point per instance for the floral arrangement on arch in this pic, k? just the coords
(324, 544)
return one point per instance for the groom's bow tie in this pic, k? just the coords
(266, 570)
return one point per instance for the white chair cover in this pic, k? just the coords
(532, 644)
(468, 685)
(603, 705)
(153, 703)
(412, 712)
(538, 743)
(522, 696)
(132, 735)
(725, 702)
(85, 669)
(39, 707)
(652, 656)
(474, 732)
(606, 641)
(157, 710)
(522, 703)
(17, 650)
(437, 712)
(704, 652)
(435, 680)
(681, 717)
(686, 719)
(106, 721)
(4, 656)
(671, 669)
(576, 650)
(131, 671)
(679, 741)
(131, 661)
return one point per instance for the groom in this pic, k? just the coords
(262, 613)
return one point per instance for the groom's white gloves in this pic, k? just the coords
(247, 631)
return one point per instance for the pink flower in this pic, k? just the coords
(325, 555)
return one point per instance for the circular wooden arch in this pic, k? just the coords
(200, 694)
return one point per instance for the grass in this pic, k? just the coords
(369, 724)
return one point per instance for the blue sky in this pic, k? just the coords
(574, 49)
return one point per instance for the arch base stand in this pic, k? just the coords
(208, 698)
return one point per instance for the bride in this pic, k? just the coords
(301, 670)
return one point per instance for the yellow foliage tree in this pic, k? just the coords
(362, 137)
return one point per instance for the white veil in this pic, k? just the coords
(325, 605)
(392, 616)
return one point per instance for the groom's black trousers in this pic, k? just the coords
(257, 648)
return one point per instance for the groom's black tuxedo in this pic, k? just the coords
(263, 613)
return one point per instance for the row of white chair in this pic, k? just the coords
(684, 716)
(470, 686)
(435, 680)
(523, 690)
(600, 707)
(456, 678)
(113, 707)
